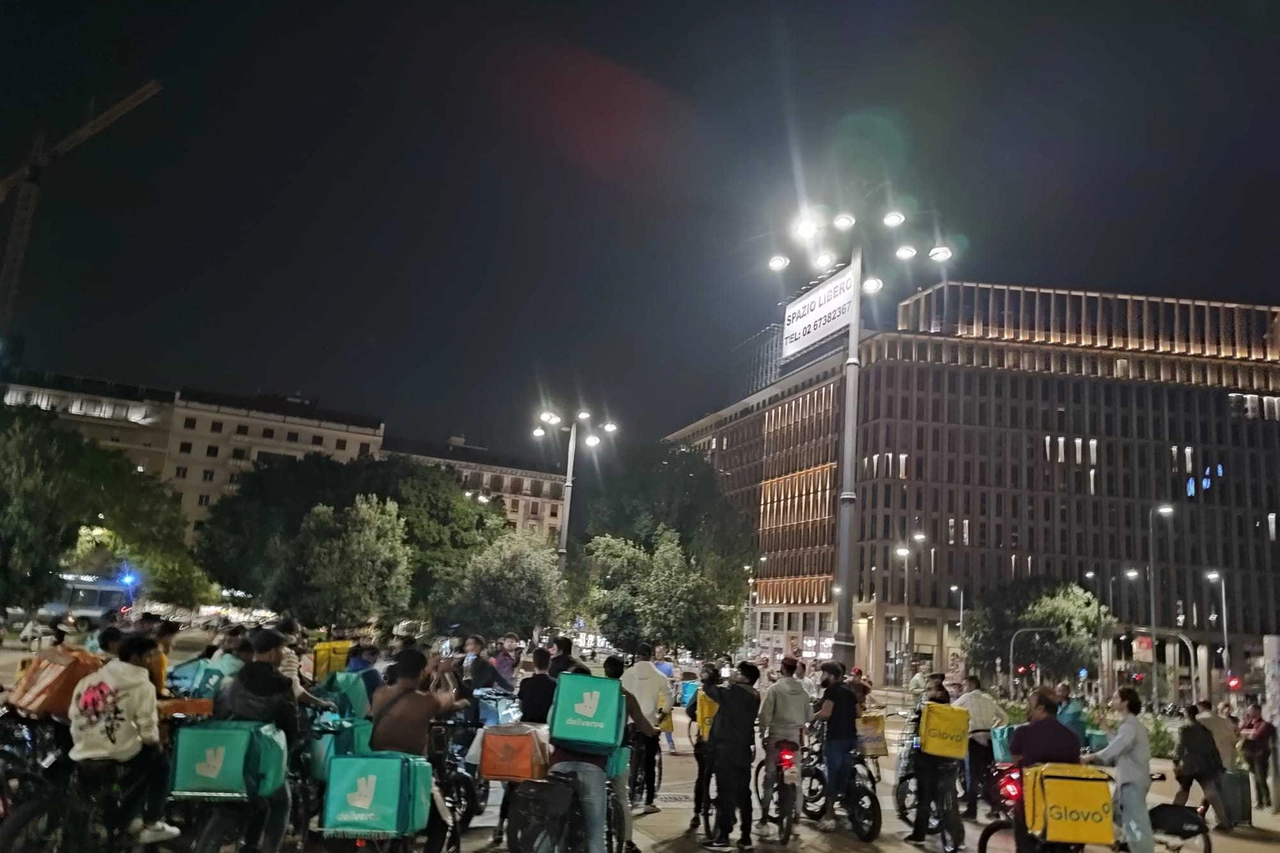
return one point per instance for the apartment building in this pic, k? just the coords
(531, 499)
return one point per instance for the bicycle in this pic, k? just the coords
(457, 785)
(786, 789)
(635, 780)
(552, 832)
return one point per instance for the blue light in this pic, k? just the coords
(1205, 483)
(1219, 469)
(128, 580)
(1083, 673)
(1191, 487)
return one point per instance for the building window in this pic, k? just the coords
(535, 488)
(184, 447)
(533, 508)
(557, 491)
(515, 505)
(207, 476)
(317, 441)
(340, 444)
(189, 423)
(291, 437)
(234, 478)
(364, 448)
(211, 451)
(180, 473)
(202, 500)
(555, 511)
(495, 483)
(216, 426)
(824, 623)
(242, 429)
(199, 525)
(239, 453)
(268, 432)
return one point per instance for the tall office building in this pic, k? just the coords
(1014, 432)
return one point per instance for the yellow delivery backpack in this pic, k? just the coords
(706, 710)
(1068, 804)
(944, 730)
(871, 740)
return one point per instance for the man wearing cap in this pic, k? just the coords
(783, 715)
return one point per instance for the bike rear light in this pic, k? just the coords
(788, 758)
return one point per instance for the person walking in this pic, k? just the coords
(732, 736)
(649, 686)
(1257, 738)
(1223, 730)
(1197, 760)
(984, 715)
(1130, 753)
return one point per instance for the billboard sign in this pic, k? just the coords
(1142, 650)
(819, 313)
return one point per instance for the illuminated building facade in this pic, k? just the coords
(1012, 432)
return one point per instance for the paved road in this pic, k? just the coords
(667, 831)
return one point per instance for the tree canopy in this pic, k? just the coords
(249, 536)
(57, 488)
(513, 584)
(1071, 614)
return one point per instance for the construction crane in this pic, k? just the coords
(27, 181)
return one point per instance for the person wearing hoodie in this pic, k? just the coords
(784, 712)
(650, 687)
(258, 692)
(733, 734)
(113, 718)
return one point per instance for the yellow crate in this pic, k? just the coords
(1068, 804)
(944, 730)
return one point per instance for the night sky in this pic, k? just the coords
(436, 214)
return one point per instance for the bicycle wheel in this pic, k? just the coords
(614, 822)
(481, 789)
(863, 808)
(693, 727)
(710, 810)
(461, 796)
(786, 799)
(904, 797)
(657, 773)
(758, 783)
(813, 793)
(998, 837)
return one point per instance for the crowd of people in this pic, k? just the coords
(114, 718)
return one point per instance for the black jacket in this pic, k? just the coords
(733, 730)
(259, 692)
(1197, 753)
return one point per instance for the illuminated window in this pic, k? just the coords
(1093, 451)
(1079, 451)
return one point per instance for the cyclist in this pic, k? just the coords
(1042, 740)
(733, 734)
(984, 715)
(537, 691)
(784, 711)
(113, 718)
(613, 668)
(1130, 753)
(362, 660)
(702, 711)
(587, 772)
(933, 776)
(839, 709)
(650, 687)
(258, 692)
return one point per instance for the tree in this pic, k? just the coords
(513, 584)
(1036, 603)
(64, 499)
(347, 565)
(249, 536)
(658, 597)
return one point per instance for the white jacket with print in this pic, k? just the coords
(648, 685)
(113, 713)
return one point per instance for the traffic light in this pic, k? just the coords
(1233, 683)
(1022, 670)
(1137, 676)
(1033, 667)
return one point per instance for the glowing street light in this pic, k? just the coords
(844, 221)
(1216, 577)
(1131, 574)
(905, 253)
(584, 416)
(546, 417)
(539, 432)
(918, 536)
(904, 551)
(837, 589)
(894, 218)
(804, 228)
(484, 499)
(824, 260)
(610, 427)
(592, 440)
(779, 262)
(551, 419)
(872, 286)
(940, 254)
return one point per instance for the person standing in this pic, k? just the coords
(1130, 753)
(1257, 738)
(561, 656)
(537, 691)
(1197, 760)
(733, 733)
(702, 712)
(649, 686)
(1071, 712)
(1224, 733)
(507, 660)
(362, 661)
(919, 682)
(933, 776)
(614, 669)
(784, 711)
(665, 667)
(165, 635)
(839, 709)
(984, 715)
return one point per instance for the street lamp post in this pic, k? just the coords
(1097, 595)
(552, 419)
(806, 229)
(1216, 577)
(1165, 510)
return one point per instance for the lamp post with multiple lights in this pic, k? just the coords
(808, 230)
(550, 419)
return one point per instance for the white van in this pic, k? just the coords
(88, 601)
